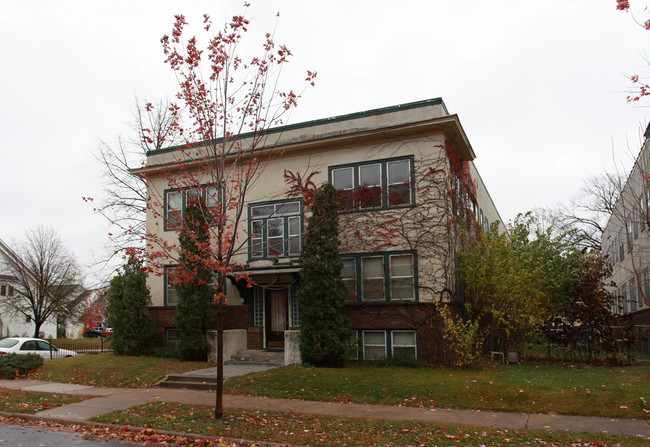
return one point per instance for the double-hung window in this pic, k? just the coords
(171, 294)
(374, 345)
(349, 275)
(396, 343)
(403, 344)
(275, 229)
(177, 200)
(374, 184)
(380, 277)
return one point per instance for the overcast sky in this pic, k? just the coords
(539, 86)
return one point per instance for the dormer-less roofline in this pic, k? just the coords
(404, 120)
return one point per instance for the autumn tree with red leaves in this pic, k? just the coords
(229, 102)
(641, 87)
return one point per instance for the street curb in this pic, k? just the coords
(194, 436)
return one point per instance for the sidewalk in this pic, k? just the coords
(106, 400)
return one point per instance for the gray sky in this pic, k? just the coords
(539, 86)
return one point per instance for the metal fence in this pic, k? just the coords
(84, 346)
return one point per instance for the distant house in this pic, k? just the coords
(16, 323)
(407, 188)
(626, 243)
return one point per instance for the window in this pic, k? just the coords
(275, 229)
(646, 289)
(372, 271)
(403, 344)
(642, 213)
(172, 335)
(258, 307)
(295, 309)
(374, 345)
(380, 344)
(632, 295)
(621, 245)
(370, 186)
(171, 295)
(375, 184)
(349, 275)
(383, 277)
(401, 277)
(177, 200)
(399, 182)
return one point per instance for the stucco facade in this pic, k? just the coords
(626, 243)
(397, 243)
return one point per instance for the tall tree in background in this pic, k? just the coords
(128, 314)
(229, 100)
(325, 335)
(584, 218)
(587, 310)
(49, 280)
(514, 281)
(196, 306)
(154, 126)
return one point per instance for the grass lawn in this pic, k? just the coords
(579, 390)
(110, 370)
(17, 401)
(334, 431)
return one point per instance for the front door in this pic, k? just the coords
(277, 317)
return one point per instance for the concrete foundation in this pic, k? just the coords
(292, 348)
(234, 340)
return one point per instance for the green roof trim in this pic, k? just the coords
(333, 119)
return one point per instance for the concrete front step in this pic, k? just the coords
(189, 382)
(257, 357)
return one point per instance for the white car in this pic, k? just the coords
(23, 345)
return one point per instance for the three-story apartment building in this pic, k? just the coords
(408, 191)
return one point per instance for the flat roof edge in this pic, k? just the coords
(321, 121)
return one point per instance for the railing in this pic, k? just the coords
(83, 346)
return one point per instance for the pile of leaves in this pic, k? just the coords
(13, 365)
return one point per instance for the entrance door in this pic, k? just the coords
(277, 317)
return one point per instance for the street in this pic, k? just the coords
(30, 436)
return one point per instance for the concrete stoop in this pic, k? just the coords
(244, 362)
(189, 382)
(257, 357)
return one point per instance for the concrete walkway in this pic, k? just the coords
(105, 400)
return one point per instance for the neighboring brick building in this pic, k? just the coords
(407, 184)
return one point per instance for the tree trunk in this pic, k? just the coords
(218, 409)
(37, 328)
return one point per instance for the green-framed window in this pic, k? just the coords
(170, 292)
(380, 277)
(176, 200)
(275, 229)
(376, 184)
(379, 344)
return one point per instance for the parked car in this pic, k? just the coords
(22, 345)
(93, 332)
(107, 332)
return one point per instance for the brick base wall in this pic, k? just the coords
(255, 338)
(421, 317)
(235, 317)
